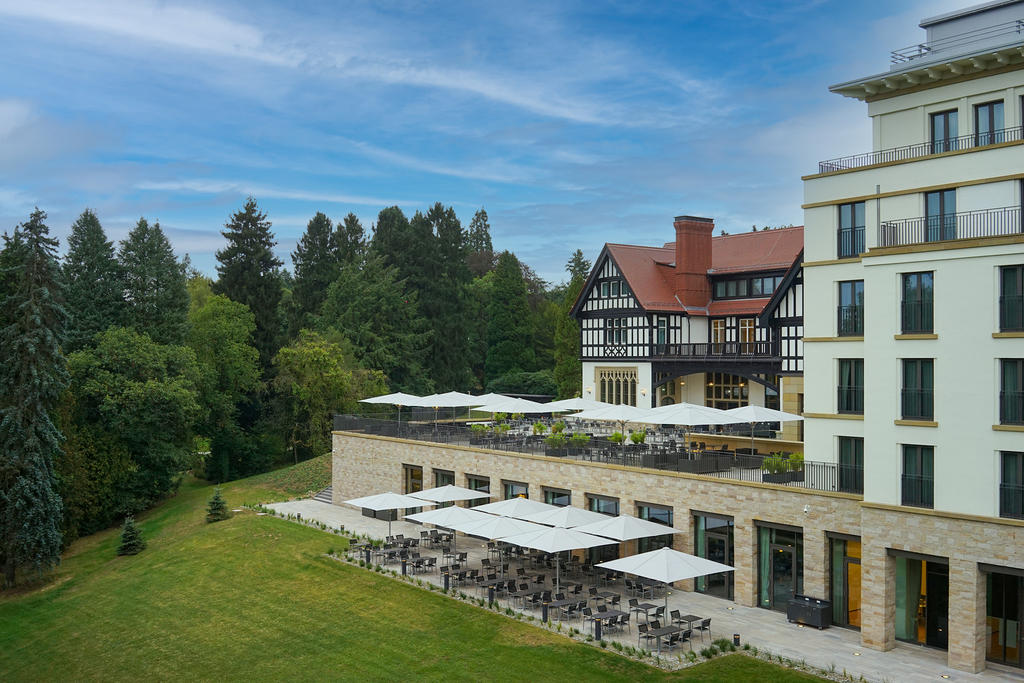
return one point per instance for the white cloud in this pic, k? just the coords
(214, 186)
(14, 114)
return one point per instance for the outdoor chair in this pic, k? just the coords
(615, 600)
(602, 608)
(676, 617)
(655, 625)
(686, 637)
(642, 635)
(704, 627)
(659, 613)
(624, 622)
(630, 586)
(559, 596)
(569, 611)
(577, 589)
(634, 606)
(672, 642)
(425, 536)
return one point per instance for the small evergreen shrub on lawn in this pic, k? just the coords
(132, 542)
(217, 508)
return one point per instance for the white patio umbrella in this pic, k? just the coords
(754, 414)
(509, 404)
(449, 493)
(448, 518)
(556, 540)
(396, 399)
(565, 517)
(515, 507)
(614, 413)
(386, 501)
(689, 415)
(576, 404)
(495, 527)
(626, 528)
(449, 399)
(666, 565)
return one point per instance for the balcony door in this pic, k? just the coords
(944, 131)
(988, 124)
(940, 215)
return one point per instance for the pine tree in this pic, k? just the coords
(93, 286)
(249, 273)
(33, 376)
(132, 542)
(508, 324)
(217, 508)
(316, 267)
(479, 250)
(349, 241)
(449, 364)
(578, 266)
(155, 287)
(391, 236)
(568, 367)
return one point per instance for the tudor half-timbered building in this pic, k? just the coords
(710, 320)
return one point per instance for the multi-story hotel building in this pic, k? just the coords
(909, 512)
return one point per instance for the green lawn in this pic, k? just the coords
(254, 597)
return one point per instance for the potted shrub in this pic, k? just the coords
(539, 428)
(776, 469)
(517, 416)
(617, 437)
(478, 433)
(502, 429)
(558, 427)
(638, 437)
(796, 466)
(577, 442)
(555, 445)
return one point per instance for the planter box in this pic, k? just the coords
(803, 609)
(777, 477)
(556, 452)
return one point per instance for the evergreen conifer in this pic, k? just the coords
(508, 324)
(217, 508)
(132, 542)
(155, 286)
(316, 267)
(93, 286)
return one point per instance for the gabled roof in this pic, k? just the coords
(648, 275)
(750, 251)
(780, 291)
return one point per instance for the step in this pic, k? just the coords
(325, 495)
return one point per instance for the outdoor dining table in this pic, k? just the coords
(605, 596)
(689, 619)
(528, 592)
(646, 607)
(660, 633)
(609, 614)
(556, 604)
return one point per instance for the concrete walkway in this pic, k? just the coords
(761, 628)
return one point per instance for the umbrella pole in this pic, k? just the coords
(751, 438)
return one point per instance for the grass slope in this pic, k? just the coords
(254, 597)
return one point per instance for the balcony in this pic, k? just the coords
(1011, 407)
(917, 317)
(1011, 313)
(851, 399)
(922, 149)
(918, 404)
(850, 242)
(951, 226)
(850, 321)
(1011, 501)
(739, 351)
(918, 490)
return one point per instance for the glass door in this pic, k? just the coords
(846, 582)
(937, 610)
(780, 567)
(940, 215)
(1005, 599)
(714, 541)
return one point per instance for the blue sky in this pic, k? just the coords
(572, 123)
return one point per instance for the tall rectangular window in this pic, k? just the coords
(658, 515)
(851, 464)
(918, 389)
(605, 288)
(943, 131)
(851, 385)
(851, 309)
(717, 335)
(940, 215)
(850, 238)
(988, 124)
(918, 476)
(747, 335)
(477, 483)
(1011, 298)
(1011, 391)
(1011, 484)
(662, 331)
(515, 489)
(917, 307)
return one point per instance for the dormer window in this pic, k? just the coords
(747, 287)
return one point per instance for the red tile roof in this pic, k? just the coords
(650, 270)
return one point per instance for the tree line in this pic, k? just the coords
(124, 367)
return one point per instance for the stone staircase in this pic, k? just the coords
(324, 496)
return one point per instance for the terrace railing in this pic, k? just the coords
(918, 404)
(715, 350)
(670, 455)
(850, 242)
(850, 321)
(922, 149)
(1011, 501)
(951, 226)
(1011, 407)
(1011, 313)
(918, 490)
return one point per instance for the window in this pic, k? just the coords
(713, 540)
(662, 337)
(851, 385)
(603, 504)
(1011, 298)
(558, 497)
(988, 124)
(944, 131)
(1011, 485)
(747, 335)
(940, 215)
(851, 230)
(747, 287)
(851, 464)
(717, 335)
(604, 289)
(477, 483)
(851, 309)
(725, 391)
(412, 477)
(615, 288)
(658, 515)
(515, 489)
(617, 385)
(918, 389)
(720, 290)
(918, 476)
(616, 330)
(1011, 391)
(918, 303)
(444, 478)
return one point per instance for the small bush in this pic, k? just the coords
(691, 656)
(604, 643)
(132, 542)
(217, 508)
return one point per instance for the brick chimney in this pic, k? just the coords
(693, 259)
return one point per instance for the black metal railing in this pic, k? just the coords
(922, 149)
(850, 398)
(850, 321)
(1011, 501)
(702, 351)
(918, 490)
(951, 226)
(1011, 407)
(669, 454)
(850, 242)
(917, 317)
(1011, 313)
(918, 404)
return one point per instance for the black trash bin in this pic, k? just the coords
(803, 609)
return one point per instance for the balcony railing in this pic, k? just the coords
(850, 321)
(917, 317)
(918, 490)
(922, 149)
(850, 242)
(1011, 313)
(918, 404)
(1011, 501)
(1011, 407)
(669, 454)
(851, 399)
(714, 350)
(951, 226)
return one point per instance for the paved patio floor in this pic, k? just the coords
(761, 628)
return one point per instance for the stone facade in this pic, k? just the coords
(364, 464)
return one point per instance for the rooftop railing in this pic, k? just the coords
(922, 149)
(960, 43)
(717, 350)
(669, 454)
(951, 226)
